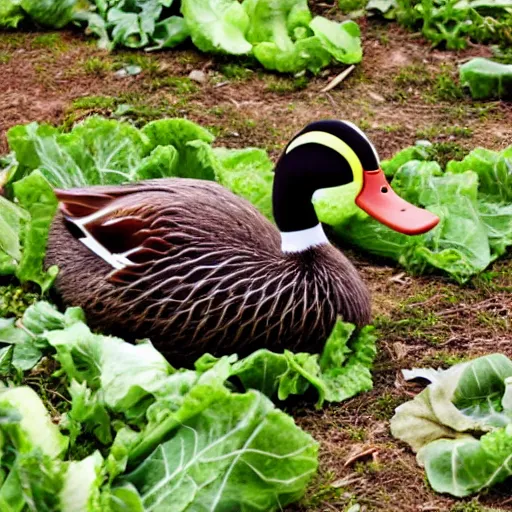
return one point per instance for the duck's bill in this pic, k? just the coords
(379, 200)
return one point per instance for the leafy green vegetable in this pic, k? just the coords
(11, 13)
(248, 173)
(281, 35)
(238, 453)
(206, 445)
(80, 491)
(50, 13)
(451, 22)
(43, 12)
(487, 79)
(342, 371)
(33, 427)
(342, 41)
(217, 25)
(36, 195)
(441, 423)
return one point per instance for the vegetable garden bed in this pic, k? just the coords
(402, 92)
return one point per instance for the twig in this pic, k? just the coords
(237, 105)
(360, 455)
(329, 506)
(338, 79)
(56, 393)
(475, 307)
(332, 102)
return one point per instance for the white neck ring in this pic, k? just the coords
(298, 241)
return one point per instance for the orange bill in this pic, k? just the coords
(378, 199)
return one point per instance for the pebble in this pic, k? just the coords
(197, 76)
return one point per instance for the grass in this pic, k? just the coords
(148, 64)
(435, 131)
(284, 86)
(433, 85)
(51, 41)
(347, 6)
(179, 85)
(95, 102)
(97, 66)
(5, 57)
(237, 72)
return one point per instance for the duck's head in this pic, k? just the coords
(333, 153)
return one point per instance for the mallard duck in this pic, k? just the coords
(198, 269)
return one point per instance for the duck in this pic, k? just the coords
(198, 269)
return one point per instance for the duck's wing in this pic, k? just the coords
(121, 225)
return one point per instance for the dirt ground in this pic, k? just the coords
(403, 91)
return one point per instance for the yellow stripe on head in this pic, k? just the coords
(335, 143)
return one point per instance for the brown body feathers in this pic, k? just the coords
(206, 272)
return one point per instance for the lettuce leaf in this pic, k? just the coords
(11, 13)
(339, 373)
(281, 35)
(341, 40)
(274, 21)
(217, 25)
(240, 452)
(33, 427)
(248, 173)
(36, 195)
(464, 466)
(444, 422)
(48, 13)
(487, 79)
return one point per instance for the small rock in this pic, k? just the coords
(376, 97)
(128, 71)
(197, 76)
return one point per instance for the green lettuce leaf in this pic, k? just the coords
(169, 33)
(465, 398)
(444, 422)
(487, 79)
(195, 157)
(96, 151)
(36, 195)
(50, 13)
(306, 53)
(217, 25)
(464, 466)
(125, 373)
(339, 373)
(11, 219)
(275, 21)
(127, 29)
(341, 40)
(80, 491)
(11, 13)
(248, 173)
(25, 353)
(239, 439)
(33, 427)
(32, 483)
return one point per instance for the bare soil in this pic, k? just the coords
(403, 91)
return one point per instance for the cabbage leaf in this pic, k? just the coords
(461, 425)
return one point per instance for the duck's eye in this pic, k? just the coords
(384, 190)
